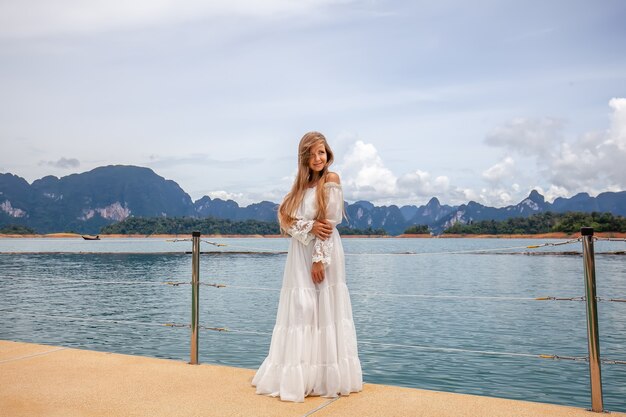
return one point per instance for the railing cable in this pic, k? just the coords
(610, 239)
(363, 293)
(468, 251)
(363, 342)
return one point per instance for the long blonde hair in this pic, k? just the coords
(289, 206)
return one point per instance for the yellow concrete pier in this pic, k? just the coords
(40, 380)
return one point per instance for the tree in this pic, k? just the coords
(16, 229)
(570, 222)
(418, 229)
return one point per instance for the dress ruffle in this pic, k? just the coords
(307, 358)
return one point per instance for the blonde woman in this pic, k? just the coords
(313, 349)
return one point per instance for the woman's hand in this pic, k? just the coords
(322, 229)
(317, 272)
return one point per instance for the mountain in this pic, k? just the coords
(207, 207)
(473, 211)
(431, 213)
(364, 215)
(88, 201)
(611, 202)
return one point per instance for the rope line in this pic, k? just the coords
(250, 332)
(380, 294)
(441, 349)
(434, 296)
(468, 297)
(569, 358)
(96, 281)
(613, 362)
(365, 342)
(489, 352)
(611, 239)
(554, 244)
(615, 300)
(87, 319)
(213, 243)
(469, 251)
(265, 250)
(582, 298)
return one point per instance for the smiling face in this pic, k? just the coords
(318, 157)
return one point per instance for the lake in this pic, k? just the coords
(429, 313)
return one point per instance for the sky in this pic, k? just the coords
(481, 101)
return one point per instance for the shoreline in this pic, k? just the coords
(554, 235)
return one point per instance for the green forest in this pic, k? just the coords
(208, 226)
(418, 229)
(186, 225)
(544, 223)
(15, 229)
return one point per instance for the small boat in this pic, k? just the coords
(86, 237)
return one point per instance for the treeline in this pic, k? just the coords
(16, 229)
(345, 230)
(186, 225)
(208, 226)
(547, 222)
(418, 229)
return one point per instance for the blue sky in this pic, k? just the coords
(462, 101)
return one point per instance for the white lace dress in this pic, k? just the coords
(313, 349)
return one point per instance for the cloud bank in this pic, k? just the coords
(32, 18)
(366, 177)
(64, 163)
(592, 162)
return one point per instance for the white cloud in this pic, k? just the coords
(594, 162)
(617, 132)
(62, 163)
(421, 183)
(500, 171)
(365, 177)
(225, 195)
(497, 197)
(26, 18)
(164, 162)
(527, 136)
(552, 193)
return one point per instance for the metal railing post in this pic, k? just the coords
(195, 296)
(593, 337)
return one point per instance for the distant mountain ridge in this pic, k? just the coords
(87, 201)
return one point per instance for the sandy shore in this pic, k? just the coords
(403, 236)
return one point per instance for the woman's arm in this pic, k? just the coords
(334, 213)
(301, 230)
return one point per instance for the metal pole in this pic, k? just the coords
(195, 296)
(593, 337)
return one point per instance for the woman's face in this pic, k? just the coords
(317, 160)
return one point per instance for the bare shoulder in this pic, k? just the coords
(333, 177)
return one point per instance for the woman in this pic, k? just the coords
(313, 349)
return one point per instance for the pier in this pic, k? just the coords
(42, 380)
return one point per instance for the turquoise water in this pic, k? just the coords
(68, 299)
